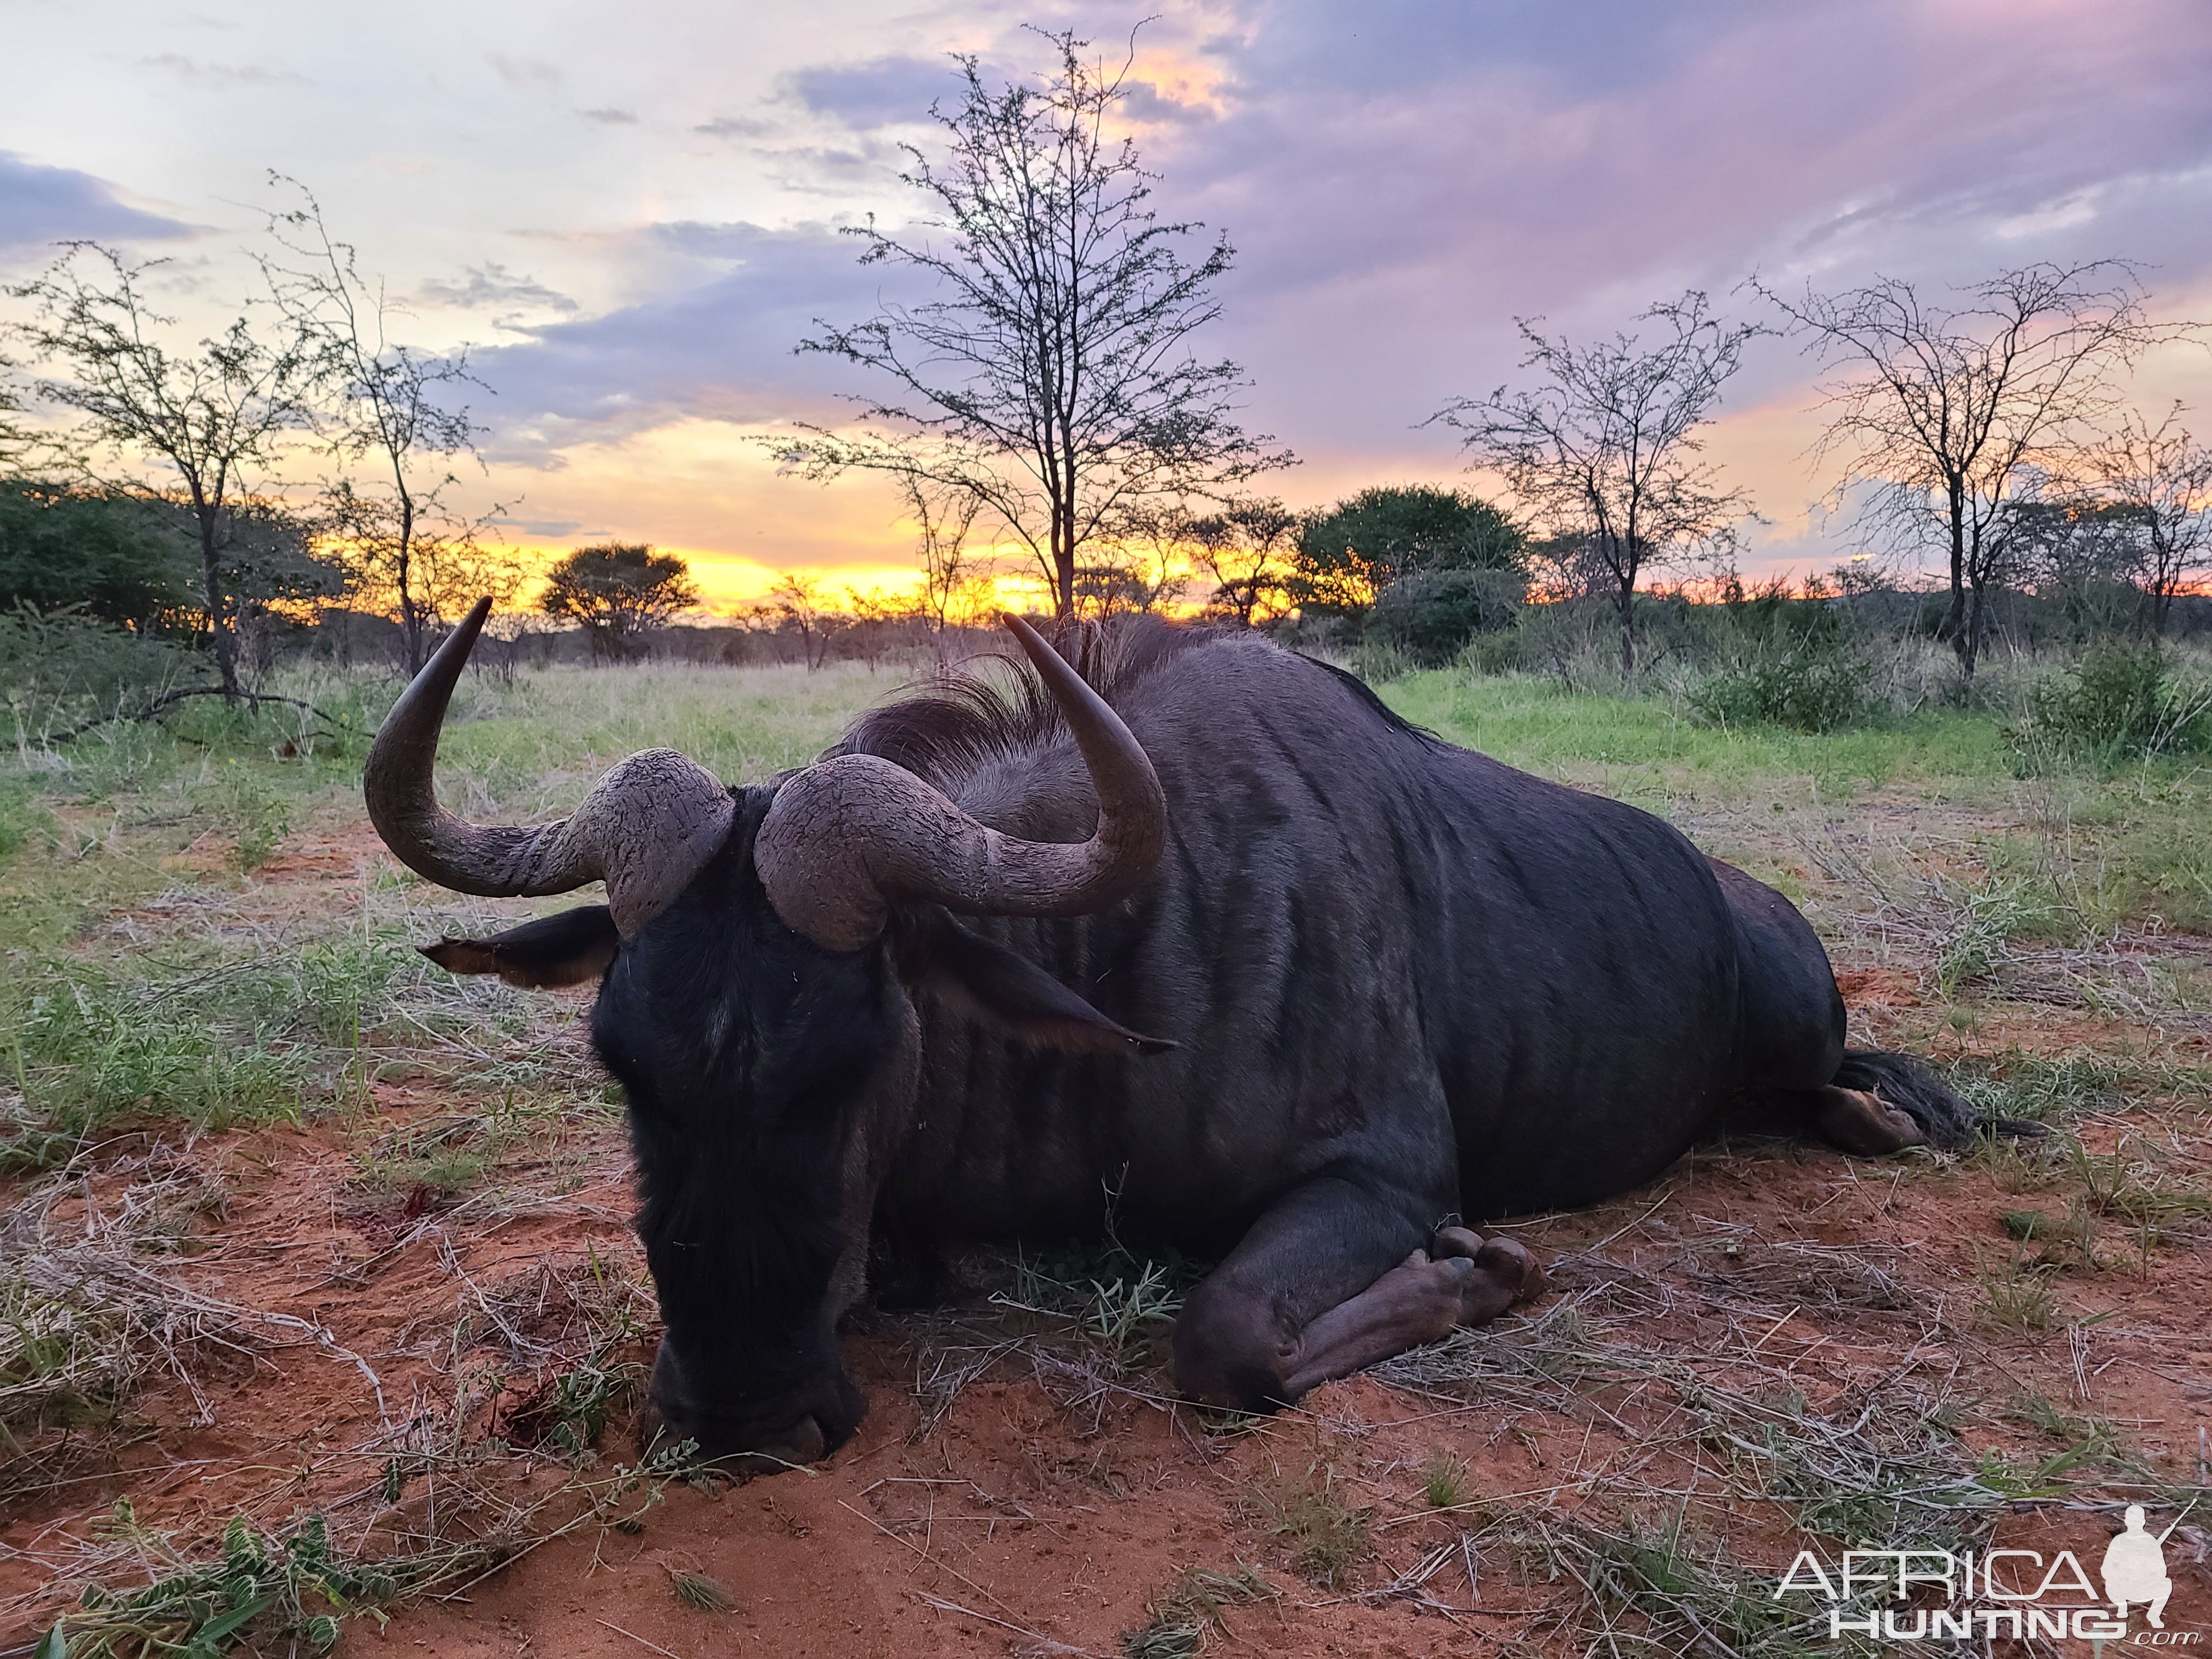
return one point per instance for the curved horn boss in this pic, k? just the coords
(853, 836)
(845, 839)
(647, 827)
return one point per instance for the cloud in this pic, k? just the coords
(1397, 187)
(889, 92)
(524, 73)
(492, 287)
(40, 205)
(224, 75)
(734, 126)
(610, 117)
(722, 349)
(554, 528)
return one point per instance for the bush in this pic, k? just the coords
(60, 669)
(1432, 617)
(1819, 684)
(2120, 702)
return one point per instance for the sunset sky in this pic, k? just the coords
(632, 211)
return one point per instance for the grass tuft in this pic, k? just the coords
(1192, 1609)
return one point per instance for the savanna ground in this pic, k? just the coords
(321, 1320)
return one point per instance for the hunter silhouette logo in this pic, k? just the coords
(2134, 1569)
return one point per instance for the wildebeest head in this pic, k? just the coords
(759, 953)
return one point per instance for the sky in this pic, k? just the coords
(631, 213)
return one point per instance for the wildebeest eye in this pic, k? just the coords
(570, 948)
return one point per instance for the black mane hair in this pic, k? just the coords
(948, 727)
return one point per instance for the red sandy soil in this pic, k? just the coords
(1022, 1521)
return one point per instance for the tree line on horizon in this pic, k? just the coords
(1049, 396)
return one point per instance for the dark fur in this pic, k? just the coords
(1403, 980)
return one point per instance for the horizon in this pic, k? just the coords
(636, 231)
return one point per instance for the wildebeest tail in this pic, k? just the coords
(1911, 1085)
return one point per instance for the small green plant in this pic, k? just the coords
(1325, 1534)
(1181, 1620)
(249, 808)
(296, 1588)
(1444, 1483)
(2065, 1242)
(2018, 1297)
(567, 1412)
(1117, 1300)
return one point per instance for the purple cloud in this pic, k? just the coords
(40, 205)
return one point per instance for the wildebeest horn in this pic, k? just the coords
(645, 829)
(850, 836)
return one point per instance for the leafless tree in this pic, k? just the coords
(1247, 549)
(797, 599)
(201, 427)
(1052, 385)
(2159, 480)
(950, 568)
(1606, 449)
(1941, 413)
(392, 419)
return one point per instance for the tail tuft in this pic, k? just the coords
(1912, 1087)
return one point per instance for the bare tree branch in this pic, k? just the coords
(1606, 449)
(1944, 413)
(1052, 385)
(408, 553)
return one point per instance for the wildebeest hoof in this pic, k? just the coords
(1504, 1273)
(1859, 1120)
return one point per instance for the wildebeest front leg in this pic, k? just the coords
(1325, 1284)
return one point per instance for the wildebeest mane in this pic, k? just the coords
(948, 727)
(1368, 694)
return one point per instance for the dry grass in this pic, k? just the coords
(85, 1320)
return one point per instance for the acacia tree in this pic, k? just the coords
(1052, 384)
(1606, 448)
(392, 416)
(1944, 413)
(951, 571)
(2159, 480)
(620, 593)
(1247, 549)
(206, 424)
(796, 600)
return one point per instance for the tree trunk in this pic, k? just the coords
(1628, 629)
(221, 636)
(410, 622)
(1063, 565)
(1969, 643)
(1956, 624)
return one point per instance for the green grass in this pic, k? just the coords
(1640, 746)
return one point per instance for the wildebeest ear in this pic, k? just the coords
(991, 983)
(568, 948)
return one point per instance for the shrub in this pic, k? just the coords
(1819, 684)
(1432, 617)
(2120, 702)
(59, 669)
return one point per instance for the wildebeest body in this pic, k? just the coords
(1403, 985)
(1377, 953)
